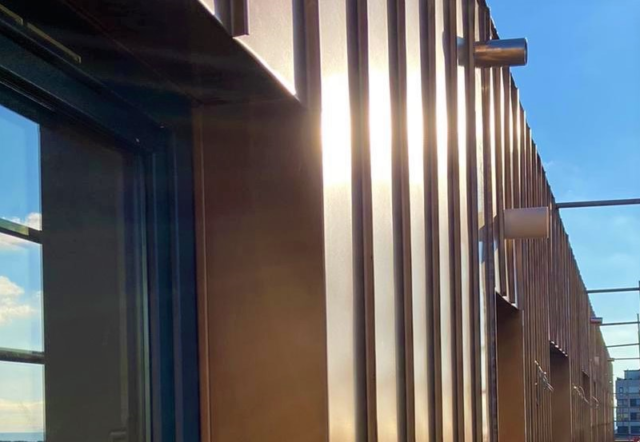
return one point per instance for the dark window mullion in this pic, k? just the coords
(19, 231)
(22, 356)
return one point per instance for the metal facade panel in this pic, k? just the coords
(344, 315)
(263, 329)
(498, 111)
(379, 140)
(445, 309)
(357, 301)
(466, 238)
(268, 32)
(488, 232)
(420, 406)
(422, 154)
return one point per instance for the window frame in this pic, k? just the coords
(34, 81)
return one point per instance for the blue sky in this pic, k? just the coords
(581, 93)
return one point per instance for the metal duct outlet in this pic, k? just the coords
(499, 53)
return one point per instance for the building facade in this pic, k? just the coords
(276, 220)
(628, 404)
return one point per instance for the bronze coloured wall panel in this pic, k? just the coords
(428, 324)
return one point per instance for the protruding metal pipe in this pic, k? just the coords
(596, 321)
(619, 323)
(499, 53)
(615, 290)
(600, 203)
(635, 344)
(22, 356)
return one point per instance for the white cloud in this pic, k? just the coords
(21, 416)
(9, 289)
(32, 220)
(10, 306)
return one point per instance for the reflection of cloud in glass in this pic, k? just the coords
(21, 398)
(20, 294)
(10, 303)
(19, 416)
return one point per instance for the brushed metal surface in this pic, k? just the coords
(384, 271)
(344, 334)
(270, 38)
(447, 329)
(486, 340)
(421, 295)
(465, 274)
(511, 383)
(262, 274)
(526, 223)
(501, 53)
(415, 246)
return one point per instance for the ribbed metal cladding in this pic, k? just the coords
(422, 153)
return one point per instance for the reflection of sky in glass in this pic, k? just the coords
(20, 261)
(20, 294)
(19, 168)
(21, 392)
(21, 385)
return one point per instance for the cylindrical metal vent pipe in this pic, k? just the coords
(530, 222)
(501, 53)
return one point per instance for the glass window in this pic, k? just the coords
(21, 320)
(21, 402)
(73, 358)
(19, 170)
(20, 294)
(623, 429)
